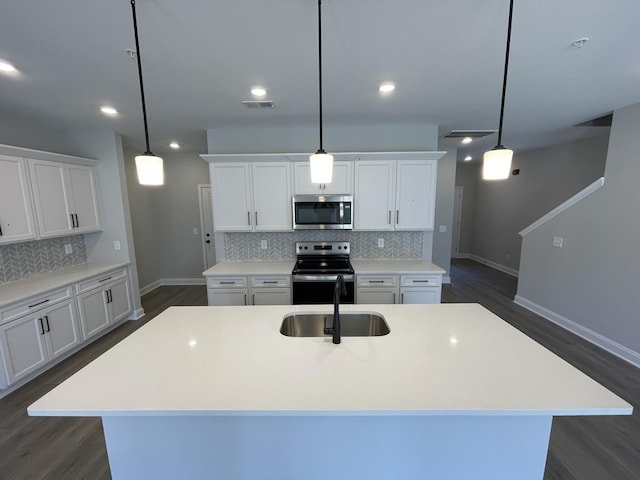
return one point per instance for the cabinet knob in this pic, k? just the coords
(207, 241)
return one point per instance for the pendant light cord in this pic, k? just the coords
(320, 69)
(144, 107)
(506, 70)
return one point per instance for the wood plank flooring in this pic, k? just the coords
(581, 448)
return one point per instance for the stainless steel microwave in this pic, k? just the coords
(322, 212)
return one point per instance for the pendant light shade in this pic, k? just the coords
(149, 166)
(496, 163)
(320, 163)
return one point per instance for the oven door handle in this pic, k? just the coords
(320, 278)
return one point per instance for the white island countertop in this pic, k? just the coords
(445, 359)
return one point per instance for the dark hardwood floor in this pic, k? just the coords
(581, 448)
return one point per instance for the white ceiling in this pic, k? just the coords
(200, 58)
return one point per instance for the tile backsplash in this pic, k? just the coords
(364, 245)
(28, 259)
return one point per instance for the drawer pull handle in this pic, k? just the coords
(227, 283)
(46, 318)
(39, 303)
(104, 279)
(420, 281)
(41, 327)
(270, 281)
(376, 281)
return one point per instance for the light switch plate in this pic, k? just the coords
(381, 243)
(263, 244)
(195, 230)
(443, 228)
(557, 242)
(116, 245)
(68, 250)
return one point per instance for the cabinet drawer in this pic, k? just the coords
(420, 280)
(100, 280)
(376, 280)
(226, 282)
(34, 304)
(271, 281)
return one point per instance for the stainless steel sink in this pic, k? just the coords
(353, 324)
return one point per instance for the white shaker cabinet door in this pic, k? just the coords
(84, 198)
(119, 300)
(16, 211)
(231, 194)
(24, 349)
(94, 312)
(221, 297)
(376, 295)
(341, 181)
(415, 195)
(271, 296)
(61, 327)
(373, 195)
(51, 198)
(272, 196)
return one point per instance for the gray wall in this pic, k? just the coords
(164, 217)
(593, 280)
(548, 177)
(350, 138)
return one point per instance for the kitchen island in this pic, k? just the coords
(452, 392)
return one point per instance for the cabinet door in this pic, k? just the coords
(62, 328)
(16, 211)
(230, 189)
(271, 296)
(84, 198)
(373, 196)
(23, 347)
(94, 312)
(420, 295)
(220, 297)
(51, 198)
(272, 196)
(342, 179)
(415, 195)
(302, 180)
(119, 300)
(376, 295)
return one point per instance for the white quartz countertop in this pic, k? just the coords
(251, 268)
(32, 286)
(395, 266)
(446, 359)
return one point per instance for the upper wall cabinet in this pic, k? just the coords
(395, 195)
(65, 196)
(16, 211)
(341, 183)
(251, 196)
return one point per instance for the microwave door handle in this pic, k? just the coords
(341, 213)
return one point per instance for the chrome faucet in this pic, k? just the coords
(339, 289)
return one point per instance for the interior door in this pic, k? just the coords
(206, 226)
(457, 220)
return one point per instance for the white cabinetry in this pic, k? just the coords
(255, 290)
(16, 211)
(341, 181)
(66, 200)
(395, 195)
(103, 301)
(420, 289)
(251, 196)
(377, 289)
(45, 331)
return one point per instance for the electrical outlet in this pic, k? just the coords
(68, 250)
(443, 228)
(557, 242)
(195, 231)
(116, 245)
(263, 244)
(381, 243)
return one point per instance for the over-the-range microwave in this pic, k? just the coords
(322, 212)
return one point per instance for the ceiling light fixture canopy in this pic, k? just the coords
(149, 166)
(496, 163)
(320, 163)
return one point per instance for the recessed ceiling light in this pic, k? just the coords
(6, 67)
(258, 92)
(107, 110)
(174, 145)
(387, 87)
(468, 158)
(466, 140)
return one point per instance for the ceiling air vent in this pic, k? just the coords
(468, 133)
(258, 103)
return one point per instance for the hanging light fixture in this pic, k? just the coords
(321, 162)
(148, 165)
(496, 163)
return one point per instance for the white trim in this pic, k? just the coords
(593, 337)
(563, 206)
(136, 314)
(296, 157)
(42, 155)
(171, 281)
(508, 270)
(202, 186)
(446, 279)
(462, 255)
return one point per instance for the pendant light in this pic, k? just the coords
(496, 163)
(321, 163)
(148, 165)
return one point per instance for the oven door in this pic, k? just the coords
(318, 289)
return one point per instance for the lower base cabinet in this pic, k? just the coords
(384, 289)
(255, 290)
(30, 342)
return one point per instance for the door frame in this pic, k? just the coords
(201, 187)
(455, 247)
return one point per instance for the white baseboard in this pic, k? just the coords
(446, 279)
(511, 271)
(461, 255)
(599, 340)
(171, 281)
(136, 314)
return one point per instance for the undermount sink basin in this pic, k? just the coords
(352, 324)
